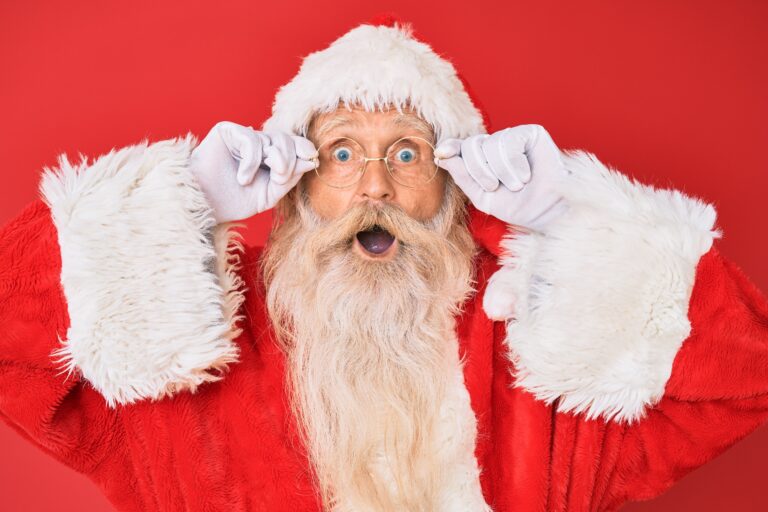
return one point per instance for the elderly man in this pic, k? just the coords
(570, 340)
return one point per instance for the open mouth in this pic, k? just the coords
(376, 240)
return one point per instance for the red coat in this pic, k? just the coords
(231, 445)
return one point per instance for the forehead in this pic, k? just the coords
(358, 120)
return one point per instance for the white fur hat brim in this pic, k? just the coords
(377, 67)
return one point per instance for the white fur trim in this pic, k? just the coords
(601, 300)
(454, 444)
(375, 66)
(456, 440)
(149, 279)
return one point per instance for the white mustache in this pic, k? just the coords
(339, 233)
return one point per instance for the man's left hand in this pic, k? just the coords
(512, 174)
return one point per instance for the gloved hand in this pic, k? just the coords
(243, 172)
(512, 174)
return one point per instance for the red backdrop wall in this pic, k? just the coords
(670, 92)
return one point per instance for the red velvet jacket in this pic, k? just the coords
(231, 444)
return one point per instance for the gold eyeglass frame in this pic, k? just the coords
(366, 159)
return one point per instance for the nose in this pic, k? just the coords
(376, 183)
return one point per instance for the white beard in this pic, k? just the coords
(373, 357)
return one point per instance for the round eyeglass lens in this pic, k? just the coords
(340, 162)
(411, 161)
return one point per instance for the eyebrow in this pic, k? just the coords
(333, 123)
(415, 123)
(401, 120)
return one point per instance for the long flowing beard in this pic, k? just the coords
(368, 345)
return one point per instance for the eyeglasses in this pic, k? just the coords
(341, 162)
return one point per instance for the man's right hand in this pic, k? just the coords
(243, 172)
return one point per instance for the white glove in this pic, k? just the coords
(513, 174)
(243, 172)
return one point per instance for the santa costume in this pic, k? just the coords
(136, 348)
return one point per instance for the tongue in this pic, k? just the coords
(375, 241)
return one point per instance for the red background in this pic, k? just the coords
(673, 93)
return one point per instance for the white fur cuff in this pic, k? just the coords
(148, 277)
(600, 300)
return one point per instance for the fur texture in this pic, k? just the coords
(148, 313)
(599, 302)
(382, 66)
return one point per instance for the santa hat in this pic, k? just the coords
(375, 66)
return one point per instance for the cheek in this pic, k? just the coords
(425, 202)
(330, 203)
(327, 202)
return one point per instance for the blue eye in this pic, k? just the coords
(342, 154)
(406, 156)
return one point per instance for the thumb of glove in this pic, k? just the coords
(448, 149)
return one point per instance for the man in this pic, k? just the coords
(570, 341)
